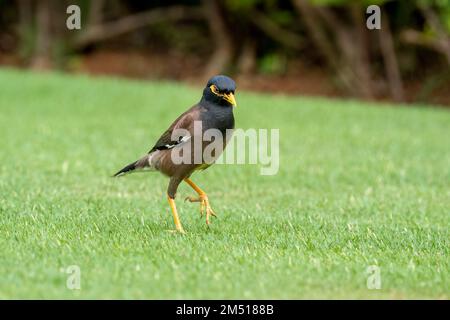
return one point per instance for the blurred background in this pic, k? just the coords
(319, 47)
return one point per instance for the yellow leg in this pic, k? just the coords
(176, 219)
(203, 199)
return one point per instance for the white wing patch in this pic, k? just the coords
(180, 141)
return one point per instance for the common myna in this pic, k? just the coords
(214, 111)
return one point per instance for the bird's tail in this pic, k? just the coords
(142, 163)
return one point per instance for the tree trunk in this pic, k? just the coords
(362, 57)
(342, 45)
(224, 49)
(42, 58)
(390, 60)
(96, 12)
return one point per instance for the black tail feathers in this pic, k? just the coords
(127, 169)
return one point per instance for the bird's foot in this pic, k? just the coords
(204, 206)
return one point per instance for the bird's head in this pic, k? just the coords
(220, 90)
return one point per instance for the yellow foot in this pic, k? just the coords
(204, 206)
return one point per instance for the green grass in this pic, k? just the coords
(359, 184)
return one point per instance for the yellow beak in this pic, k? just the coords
(230, 98)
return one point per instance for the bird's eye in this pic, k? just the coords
(214, 89)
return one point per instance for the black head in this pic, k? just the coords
(220, 90)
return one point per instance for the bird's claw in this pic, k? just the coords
(204, 207)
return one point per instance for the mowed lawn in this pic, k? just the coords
(359, 185)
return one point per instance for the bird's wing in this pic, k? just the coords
(185, 121)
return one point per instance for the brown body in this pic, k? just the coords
(161, 160)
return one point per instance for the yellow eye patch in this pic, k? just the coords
(214, 90)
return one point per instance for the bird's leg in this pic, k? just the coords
(176, 219)
(202, 198)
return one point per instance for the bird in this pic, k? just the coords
(213, 111)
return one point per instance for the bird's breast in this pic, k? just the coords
(218, 118)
